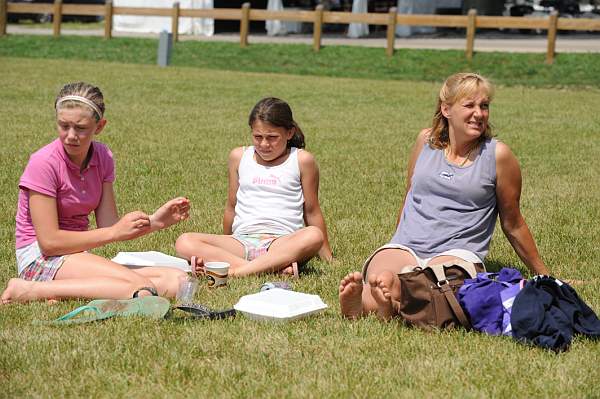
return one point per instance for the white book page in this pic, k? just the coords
(150, 258)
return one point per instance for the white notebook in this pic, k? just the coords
(151, 258)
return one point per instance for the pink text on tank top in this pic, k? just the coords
(270, 180)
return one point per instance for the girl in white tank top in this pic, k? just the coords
(272, 220)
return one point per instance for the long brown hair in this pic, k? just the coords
(455, 88)
(278, 113)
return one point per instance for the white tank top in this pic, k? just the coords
(269, 198)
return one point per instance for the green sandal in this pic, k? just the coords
(148, 306)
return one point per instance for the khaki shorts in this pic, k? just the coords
(422, 262)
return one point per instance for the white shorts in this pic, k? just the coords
(422, 262)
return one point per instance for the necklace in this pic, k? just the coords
(447, 152)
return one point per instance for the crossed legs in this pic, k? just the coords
(84, 275)
(299, 246)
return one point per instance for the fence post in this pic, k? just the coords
(552, 28)
(471, 21)
(318, 27)
(3, 17)
(108, 16)
(57, 17)
(391, 31)
(175, 22)
(245, 25)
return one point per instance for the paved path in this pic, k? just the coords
(495, 41)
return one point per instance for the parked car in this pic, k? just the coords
(15, 18)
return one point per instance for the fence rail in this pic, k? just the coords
(471, 22)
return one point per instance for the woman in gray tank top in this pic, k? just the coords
(459, 180)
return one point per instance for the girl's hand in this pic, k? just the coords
(130, 226)
(174, 211)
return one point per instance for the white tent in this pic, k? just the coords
(422, 7)
(275, 27)
(143, 24)
(358, 30)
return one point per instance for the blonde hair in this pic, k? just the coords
(76, 94)
(455, 88)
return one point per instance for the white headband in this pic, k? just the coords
(80, 99)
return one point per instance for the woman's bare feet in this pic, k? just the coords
(350, 294)
(17, 290)
(381, 290)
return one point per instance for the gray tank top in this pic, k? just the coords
(448, 206)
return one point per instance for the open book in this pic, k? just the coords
(151, 258)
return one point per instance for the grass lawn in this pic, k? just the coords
(569, 69)
(171, 130)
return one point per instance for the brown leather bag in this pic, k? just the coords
(428, 295)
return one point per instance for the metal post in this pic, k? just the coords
(164, 48)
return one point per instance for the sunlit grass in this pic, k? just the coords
(171, 130)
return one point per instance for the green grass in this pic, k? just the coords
(570, 69)
(171, 130)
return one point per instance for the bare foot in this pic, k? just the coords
(381, 291)
(17, 290)
(350, 294)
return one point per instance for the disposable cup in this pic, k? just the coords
(187, 289)
(216, 273)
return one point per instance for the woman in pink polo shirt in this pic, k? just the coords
(62, 184)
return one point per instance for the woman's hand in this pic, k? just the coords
(130, 226)
(173, 211)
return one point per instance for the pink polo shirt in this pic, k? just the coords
(51, 172)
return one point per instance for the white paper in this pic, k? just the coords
(151, 258)
(279, 304)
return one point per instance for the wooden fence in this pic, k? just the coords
(318, 17)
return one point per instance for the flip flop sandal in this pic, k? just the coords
(295, 273)
(149, 306)
(193, 262)
(202, 312)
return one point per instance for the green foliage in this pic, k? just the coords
(171, 130)
(336, 61)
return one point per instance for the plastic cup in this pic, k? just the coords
(187, 289)
(216, 273)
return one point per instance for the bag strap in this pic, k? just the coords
(439, 270)
(455, 306)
